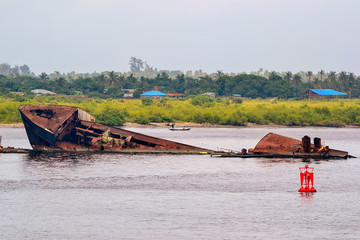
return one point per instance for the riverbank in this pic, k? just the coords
(199, 125)
(217, 113)
(12, 125)
(167, 125)
(211, 125)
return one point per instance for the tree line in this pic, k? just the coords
(111, 84)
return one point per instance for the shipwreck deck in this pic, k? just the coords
(279, 155)
(105, 151)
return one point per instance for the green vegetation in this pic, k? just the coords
(201, 109)
(147, 101)
(104, 91)
(263, 84)
(203, 101)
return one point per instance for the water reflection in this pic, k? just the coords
(307, 195)
(277, 160)
(80, 165)
(268, 162)
(70, 157)
(55, 165)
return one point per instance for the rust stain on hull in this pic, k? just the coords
(65, 128)
(275, 144)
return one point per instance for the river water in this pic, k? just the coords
(180, 197)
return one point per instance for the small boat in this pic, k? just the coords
(179, 129)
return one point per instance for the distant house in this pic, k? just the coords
(42, 92)
(322, 93)
(175, 95)
(209, 94)
(128, 95)
(129, 90)
(153, 95)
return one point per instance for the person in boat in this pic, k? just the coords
(172, 125)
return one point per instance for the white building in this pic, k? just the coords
(42, 92)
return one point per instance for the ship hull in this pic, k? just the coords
(62, 128)
(37, 136)
(277, 146)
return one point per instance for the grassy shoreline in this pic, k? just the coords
(197, 125)
(204, 112)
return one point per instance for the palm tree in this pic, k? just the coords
(332, 76)
(43, 77)
(351, 79)
(102, 78)
(316, 82)
(309, 75)
(342, 80)
(60, 82)
(332, 79)
(352, 82)
(219, 73)
(121, 80)
(297, 79)
(112, 78)
(273, 76)
(288, 76)
(322, 73)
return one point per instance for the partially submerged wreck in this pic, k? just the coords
(53, 128)
(275, 145)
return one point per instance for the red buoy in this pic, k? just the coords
(307, 179)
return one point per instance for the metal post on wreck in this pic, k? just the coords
(307, 179)
(306, 144)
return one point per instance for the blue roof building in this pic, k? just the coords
(322, 93)
(153, 95)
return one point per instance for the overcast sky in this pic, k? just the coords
(229, 35)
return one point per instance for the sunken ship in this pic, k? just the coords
(274, 145)
(277, 145)
(55, 128)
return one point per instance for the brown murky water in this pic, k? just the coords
(180, 197)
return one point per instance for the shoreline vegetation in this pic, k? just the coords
(199, 125)
(201, 111)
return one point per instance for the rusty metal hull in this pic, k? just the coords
(62, 128)
(280, 146)
(283, 155)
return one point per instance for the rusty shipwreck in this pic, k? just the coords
(53, 128)
(274, 145)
